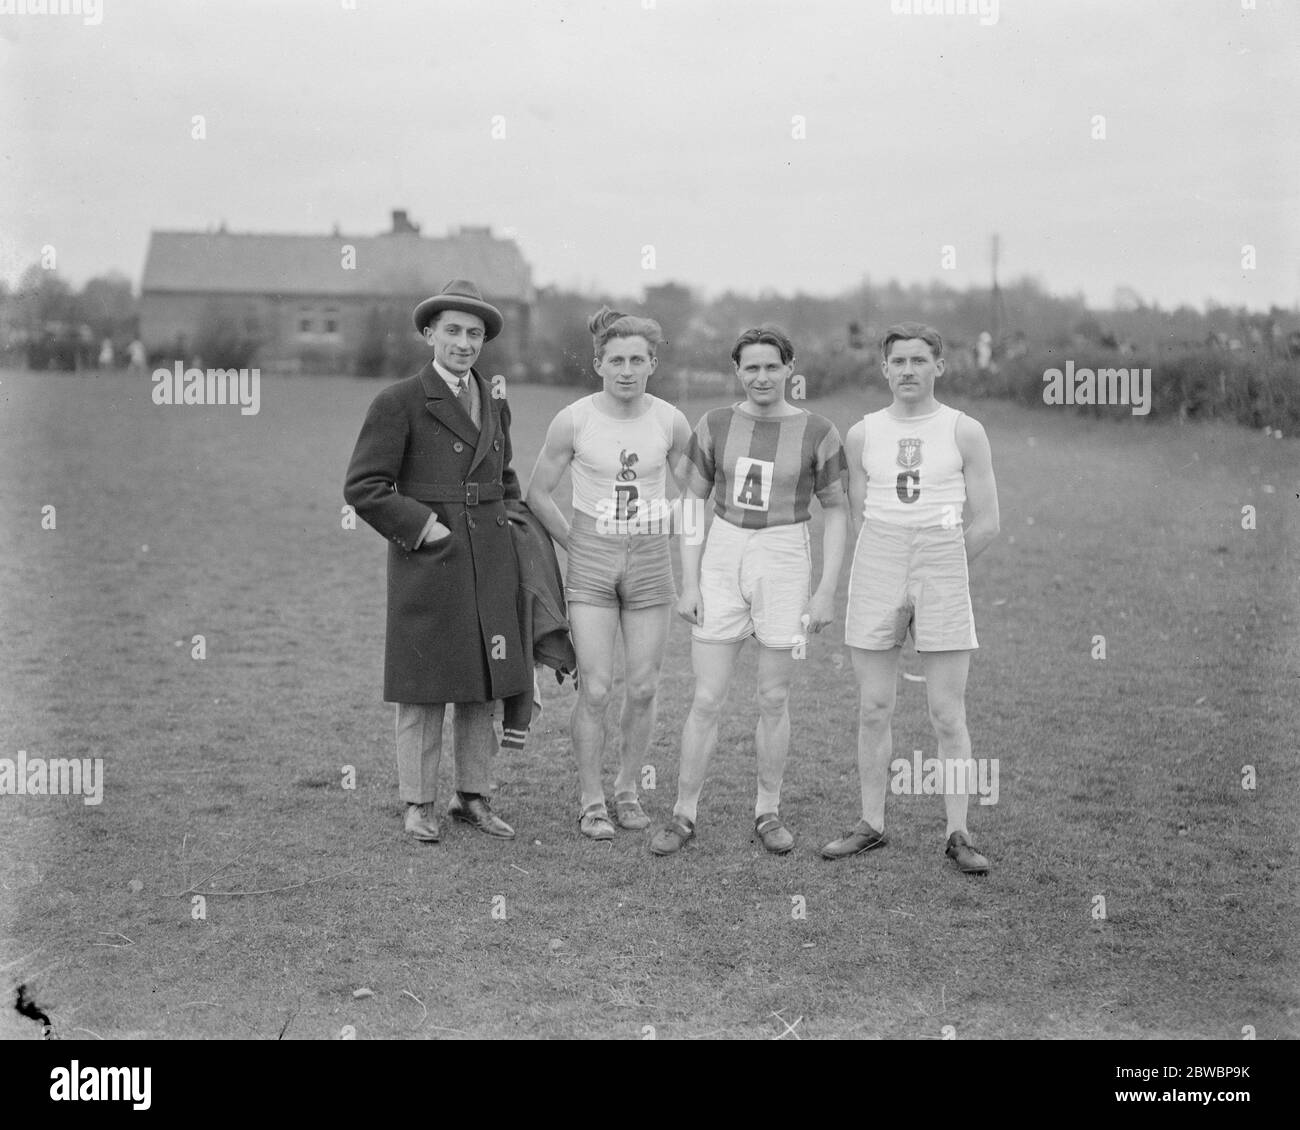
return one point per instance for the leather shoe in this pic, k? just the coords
(776, 837)
(422, 824)
(673, 836)
(967, 859)
(629, 813)
(594, 823)
(863, 838)
(476, 812)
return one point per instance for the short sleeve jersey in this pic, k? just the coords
(764, 470)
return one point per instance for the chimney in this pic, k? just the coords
(402, 225)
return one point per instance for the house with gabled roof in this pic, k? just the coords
(315, 303)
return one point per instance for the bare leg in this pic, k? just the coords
(713, 663)
(645, 635)
(945, 688)
(772, 737)
(594, 628)
(877, 673)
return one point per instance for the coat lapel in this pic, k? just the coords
(487, 420)
(446, 408)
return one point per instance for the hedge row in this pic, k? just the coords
(1188, 384)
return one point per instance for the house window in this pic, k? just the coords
(306, 325)
(331, 321)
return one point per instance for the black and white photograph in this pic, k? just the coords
(547, 520)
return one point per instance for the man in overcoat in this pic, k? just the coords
(431, 471)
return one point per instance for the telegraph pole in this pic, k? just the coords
(999, 312)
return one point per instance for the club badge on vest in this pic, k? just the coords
(909, 453)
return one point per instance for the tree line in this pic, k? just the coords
(1216, 361)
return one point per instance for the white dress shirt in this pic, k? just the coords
(453, 381)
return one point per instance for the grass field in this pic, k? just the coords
(1120, 777)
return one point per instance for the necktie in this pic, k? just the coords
(466, 399)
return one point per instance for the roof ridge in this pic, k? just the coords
(308, 235)
(225, 262)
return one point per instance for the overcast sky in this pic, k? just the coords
(672, 124)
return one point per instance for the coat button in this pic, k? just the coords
(496, 445)
(458, 446)
(471, 523)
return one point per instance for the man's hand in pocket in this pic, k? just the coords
(433, 532)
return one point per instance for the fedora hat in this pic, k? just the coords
(463, 295)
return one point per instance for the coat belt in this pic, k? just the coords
(470, 494)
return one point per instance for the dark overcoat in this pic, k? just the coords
(453, 632)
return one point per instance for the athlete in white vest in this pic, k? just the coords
(619, 443)
(913, 468)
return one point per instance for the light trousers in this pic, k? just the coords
(419, 748)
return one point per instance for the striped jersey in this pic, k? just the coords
(914, 469)
(764, 470)
(619, 466)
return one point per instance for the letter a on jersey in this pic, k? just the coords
(753, 483)
(909, 453)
